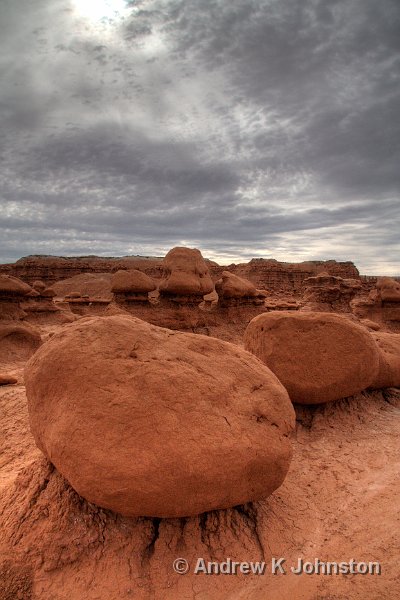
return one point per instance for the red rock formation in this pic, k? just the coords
(56, 268)
(318, 357)
(41, 301)
(17, 341)
(236, 291)
(327, 293)
(186, 278)
(389, 363)
(263, 273)
(282, 277)
(382, 304)
(6, 379)
(12, 292)
(131, 286)
(146, 421)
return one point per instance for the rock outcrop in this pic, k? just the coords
(318, 357)
(12, 292)
(288, 278)
(325, 292)
(131, 286)
(186, 278)
(382, 304)
(146, 421)
(236, 291)
(42, 300)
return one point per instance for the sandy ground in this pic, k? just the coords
(339, 502)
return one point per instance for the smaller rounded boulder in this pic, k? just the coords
(318, 357)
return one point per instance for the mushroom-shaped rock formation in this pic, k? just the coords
(131, 286)
(152, 422)
(40, 299)
(186, 278)
(236, 291)
(318, 357)
(326, 293)
(389, 363)
(12, 292)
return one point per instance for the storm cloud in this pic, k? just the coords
(248, 128)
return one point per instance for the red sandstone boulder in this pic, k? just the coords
(389, 363)
(318, 357)
(232, 286)
(152, 422)
(132, 281)
(185, 273)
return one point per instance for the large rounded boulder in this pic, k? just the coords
(151, 422)
(318, 357)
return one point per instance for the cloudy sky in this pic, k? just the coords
(246, 128)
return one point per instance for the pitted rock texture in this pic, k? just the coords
(150, 422)
(318, 357)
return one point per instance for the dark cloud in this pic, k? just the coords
(246, 128)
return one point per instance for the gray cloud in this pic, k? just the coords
(246, 128)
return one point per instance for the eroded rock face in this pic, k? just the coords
(318, 357)
(185, 275)
(382, 304)
(326, 293)
(146, 421)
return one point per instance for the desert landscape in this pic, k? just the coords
(160, 412)
(199, 300)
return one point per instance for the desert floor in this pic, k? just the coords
(338, 502)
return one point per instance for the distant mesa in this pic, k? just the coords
(175, 425)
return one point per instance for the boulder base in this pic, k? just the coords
(147, 421)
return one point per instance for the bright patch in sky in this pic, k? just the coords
(99, 9)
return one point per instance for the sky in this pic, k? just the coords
(245, 128)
